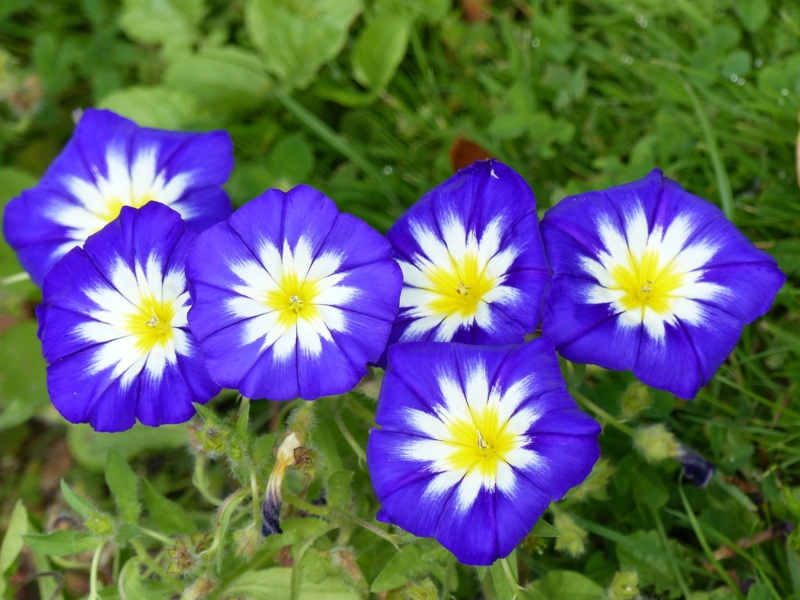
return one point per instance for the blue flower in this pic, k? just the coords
(652, 279)
(292, 297)
(475, 442)
(109, 163)
(113, 325)
(474, 268)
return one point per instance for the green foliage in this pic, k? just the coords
(296, 37)
(363, 100)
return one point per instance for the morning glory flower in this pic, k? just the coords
(292, 297)
(474, 268)
(110, 162)
(114, 329)
(475, 442)
(652, 279)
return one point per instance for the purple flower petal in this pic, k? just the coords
(475, 442)
(473, 263)
(109, 163)
(113, 325)
(652, 279)
(292, 297)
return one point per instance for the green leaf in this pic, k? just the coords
(338, 493)
(12, 541)
(753, 13)
(401, 568)
(648, 489)
(95, 519)
(61, 543)
(22, 379)
(544, 529)
(379, 50)
(645, 555)
(124, 486)
(89, 448)
(159, 107)
(133, 586)
(226, 78)
(291, 161)
(168, 22)
(759, 591)
(297, 37)
(78, 503)
(504, 578)
(170, 517)
(275, 584)
(566, 585)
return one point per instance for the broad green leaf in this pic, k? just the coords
(170, 517)
(297, 37)
(544, 529)
(431, 11)
(753, 13)
(648, 489)
(290, 161)
(566, 585)
(124, 486)
(61, 543)
(379, 50)
(12, 541)
(646, 556)
(159, 107)
(275, 584)
(168, 22)
(504, 578)
(22, 378)
(132, 586)
(759, 591)
(339, 494)
(89, 448)
(226, 78)
(402, 567)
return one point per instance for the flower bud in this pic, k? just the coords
(573, 537)
(624, 586)
(271, 509)
(655, 443)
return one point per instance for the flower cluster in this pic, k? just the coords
(156, 295)
(142, 315)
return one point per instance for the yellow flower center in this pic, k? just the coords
(294, 299)
(459, 286)
(480, 442)
(647, 283)
(113, 206)
(151, 323)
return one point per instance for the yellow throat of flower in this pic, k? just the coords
(151, 323)
(646, 283)
(480, 442)
(460, 286)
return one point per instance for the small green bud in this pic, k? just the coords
(424, 590)
(595, 485)
(655, 443)
(624, 586)
(635, 400)
(100, 523)
(572, 540)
